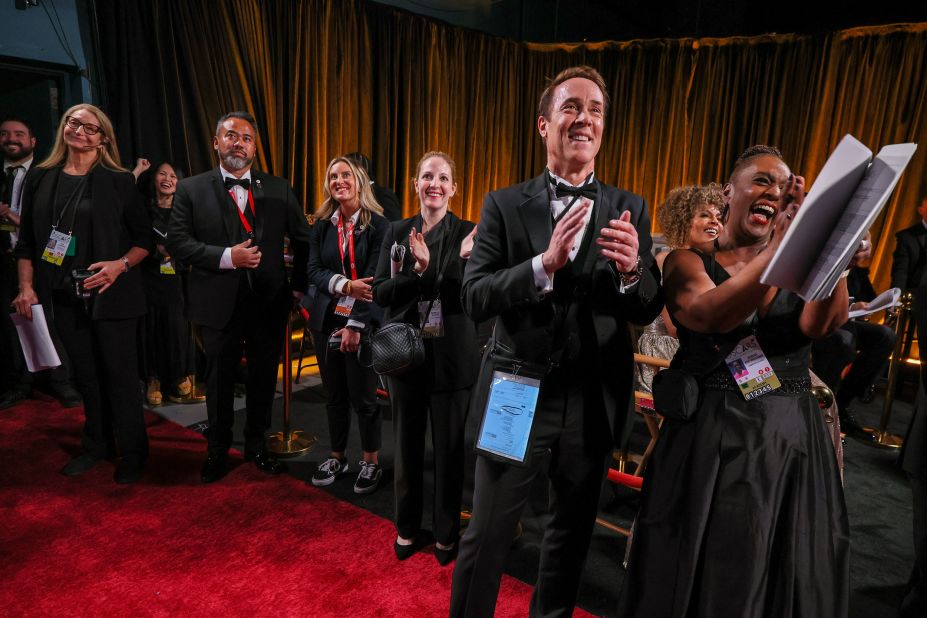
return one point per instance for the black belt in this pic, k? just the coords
(723, 381)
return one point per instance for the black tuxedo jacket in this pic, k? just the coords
(119, 222)
(325, 263)
(909, 261)
(516, 225)
(205, 221)
(453, 359)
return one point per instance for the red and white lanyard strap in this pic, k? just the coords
(241, 214)
(341, 233)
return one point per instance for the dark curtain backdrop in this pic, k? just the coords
(324, 77)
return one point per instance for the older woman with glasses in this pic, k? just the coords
(84, 228)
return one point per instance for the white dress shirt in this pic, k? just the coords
(241, 199)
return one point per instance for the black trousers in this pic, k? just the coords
(350, 385)
(572, 441)
(413, 404)
(866, 345)
(915, 601)
(105, 361)
(257, 329)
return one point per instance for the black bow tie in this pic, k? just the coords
(589, 190)
(230, 182)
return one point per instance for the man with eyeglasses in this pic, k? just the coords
(229, 225)
(18, 145)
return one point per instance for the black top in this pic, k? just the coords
(160, 288)
(115, 220)
(72, 210)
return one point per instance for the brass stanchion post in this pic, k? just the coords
(289, 442)
(881, 437)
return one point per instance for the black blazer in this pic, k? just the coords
(118, 220)
(452, 359)
(516, 225)
(909, 260)
(325, 263)
(205, 221)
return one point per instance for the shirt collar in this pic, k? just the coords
(25, 164)
(227, 174)
(336, 217)
(555, 179)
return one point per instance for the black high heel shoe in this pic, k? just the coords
(404, 551)
(446, 556)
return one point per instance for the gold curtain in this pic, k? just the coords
(325, 77)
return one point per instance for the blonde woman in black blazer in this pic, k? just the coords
(343, 250)
(432, 242)
(81, 189)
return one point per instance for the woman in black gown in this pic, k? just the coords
(742, 511)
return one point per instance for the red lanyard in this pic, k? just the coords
(241, 215)
(350, 227)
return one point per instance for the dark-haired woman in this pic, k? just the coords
(167, 347)
(742, 511)
(434, 247)
(82, 212)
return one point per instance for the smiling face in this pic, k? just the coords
(78, 137)
(753, 196)
(235, 143)
(434, 184)
(342, 185)
(572, 129)
(705, 226)
(165, 180)
(16, 140)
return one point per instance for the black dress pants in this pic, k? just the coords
(414, 403)
(105, 362)
(350, 384)
(572, 441)
(257, 329)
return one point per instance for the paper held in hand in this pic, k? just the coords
(887, 299)
(841, 206)
(36, 342)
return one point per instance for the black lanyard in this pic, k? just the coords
(72, 200)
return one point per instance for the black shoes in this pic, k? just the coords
(265, 462)
(214, 468)
(128, 471)
(11, 398)
(67, 395)
(446, 556)
(405, 551)
(851, 427)
(79, 465)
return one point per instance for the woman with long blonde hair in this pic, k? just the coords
(83, 228)
(343, 251)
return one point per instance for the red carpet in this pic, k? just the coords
(170, 546)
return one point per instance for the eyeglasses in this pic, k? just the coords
(75, 124)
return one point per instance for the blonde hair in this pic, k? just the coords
(108, 152)
(368, 203)
(681, 206)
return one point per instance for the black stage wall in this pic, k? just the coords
(325, 77)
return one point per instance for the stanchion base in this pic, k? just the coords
(883, 439)
(297, 444)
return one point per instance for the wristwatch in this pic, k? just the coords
(125, 264)
(633, 275)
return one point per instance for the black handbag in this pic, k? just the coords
(676, 394)
(397, 347)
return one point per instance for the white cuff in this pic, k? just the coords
(355, 324)
(225, 262)
(336, 285)
(542, 282)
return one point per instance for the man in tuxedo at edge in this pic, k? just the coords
(562, 262)
(229, 225)
(909, 267)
